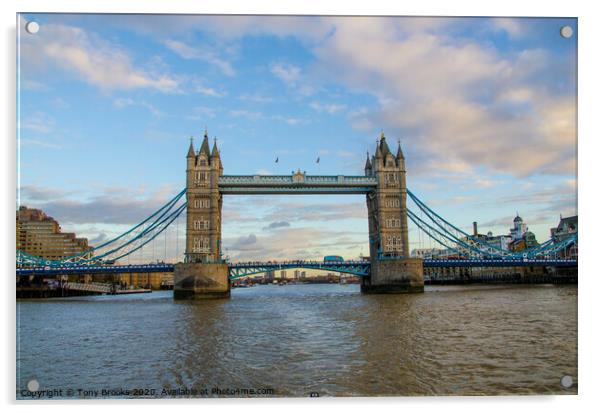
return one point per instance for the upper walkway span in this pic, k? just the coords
(297, 183)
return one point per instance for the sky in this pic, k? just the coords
(484, 108)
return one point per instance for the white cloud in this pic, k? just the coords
(288, 73)
(255, 97)
(201, 53)
(288, 119)
(247, 114)
(202, 112)
(111, 205)
(330, 108)
(37, 122)
(43, 144)
(207, 91)
(90, 58)
(515, 27)
(295, 243)
(461, 103)
(29, 84)
(123, 102)
(60, 103)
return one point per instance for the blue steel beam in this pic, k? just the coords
(238, 270)
(500, 263)
(360, 268)
(95, 269)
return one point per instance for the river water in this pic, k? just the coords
(301, 340)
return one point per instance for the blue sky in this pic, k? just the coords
(484, 108)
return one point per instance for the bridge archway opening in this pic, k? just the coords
(291, 227)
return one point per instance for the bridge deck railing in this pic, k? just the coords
(316, 180)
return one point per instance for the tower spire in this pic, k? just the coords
(205, 146)
(368, 163)
(384, 148)
(190, 149)
(378, 153)
(399, 151)
(214, 151)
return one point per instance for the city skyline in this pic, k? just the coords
(484, 108)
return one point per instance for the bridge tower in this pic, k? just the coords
(203, 273)
(203, 215)
(392, 269)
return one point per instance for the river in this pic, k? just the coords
(301, 340)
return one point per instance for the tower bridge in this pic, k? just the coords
(390, 269)
(383, 183)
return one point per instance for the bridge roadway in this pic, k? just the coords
(242, 269)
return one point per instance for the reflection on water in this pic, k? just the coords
(299, 339)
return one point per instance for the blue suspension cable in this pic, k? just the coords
(40, 260)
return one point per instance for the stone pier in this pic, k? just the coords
(394, 276)
(201, 281)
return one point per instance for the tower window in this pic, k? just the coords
(200, 177)
(200, 244)
(201, 203)
(201, 224)
(393, 223)
(391, 202)
(391, 178)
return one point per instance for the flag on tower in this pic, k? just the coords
(276, 161)
(318, 160)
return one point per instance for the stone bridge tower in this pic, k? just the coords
(392, 269)
(203, 274)
(203, 215)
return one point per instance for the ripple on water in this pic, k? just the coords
(297, 339)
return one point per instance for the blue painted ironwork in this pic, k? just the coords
(238, 270)
(95, 269)
(429, 263)
(440, 230)
(466, 244)
(163, 217)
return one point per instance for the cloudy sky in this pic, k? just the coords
(485, 109)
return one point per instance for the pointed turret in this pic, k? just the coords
(378, 153)
(399, 151)
(214, 151)
(383, 144)
(205, 146)
(190, 150)
(368, 164)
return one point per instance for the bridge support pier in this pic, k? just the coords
(394, 276)
(201, 281)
